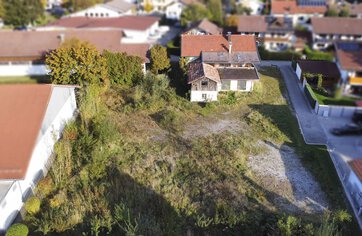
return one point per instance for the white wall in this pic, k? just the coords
(196, 96)
(21, 70)
(10, 205)
(61, 108)
(173, 11)
(99, 11)
(298, 71)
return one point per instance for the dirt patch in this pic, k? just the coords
(292, 187)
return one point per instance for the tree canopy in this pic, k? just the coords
(2, 10)
(215, 7)
(77, 5)
(76, 62)
(193, 13)
(159, 59)
(122, 68)
(22, 12)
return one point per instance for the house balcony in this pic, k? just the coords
(355, 81)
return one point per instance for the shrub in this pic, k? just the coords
(17, 230)
(45, 186)
(320, 81)
(32, 205)
(317, 55)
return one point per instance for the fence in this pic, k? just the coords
(326, 110)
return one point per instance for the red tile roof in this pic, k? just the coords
(356, 166)
(193, 45)
(23, 109)
(36, 43)
(123, 22)
(291, 7)
(337, 25)
(350, 59)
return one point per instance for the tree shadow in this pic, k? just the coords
(178, 80)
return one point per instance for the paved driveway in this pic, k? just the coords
(311, 129)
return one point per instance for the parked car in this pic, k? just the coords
(357, 117)
(349, 129)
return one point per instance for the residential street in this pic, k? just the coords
(316, 130)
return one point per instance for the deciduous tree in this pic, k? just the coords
(2, 10)
(193, 13)
(122, 68)
(159, 59)
(76, 62)
(22, 12)
(215, 7)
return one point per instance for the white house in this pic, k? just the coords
(53, 3)
(174, 9)
(34, 119)
(219, 63)
(256, 6)
(115, 8)
(23, 52)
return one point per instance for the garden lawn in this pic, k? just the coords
(24, 79)
(343, 101)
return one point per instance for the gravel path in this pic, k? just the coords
(282, 174)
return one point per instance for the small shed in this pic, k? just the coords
(328, 70)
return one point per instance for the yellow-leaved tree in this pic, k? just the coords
(76, 62)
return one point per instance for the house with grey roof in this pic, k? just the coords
(330, 30)
(224, 63)
(274, 33)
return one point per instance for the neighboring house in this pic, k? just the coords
(256, 6)
(328, 30)
(23, 52)
(300, 11)
(34, 120)
(349, 61)
(203, 27)
(157, 5)
(53, 3)
(219, 63)
(115, 8)
(329, 71)
(136, 29)
(173, 11)
(355, 10)
(275, 33)
(354, 183)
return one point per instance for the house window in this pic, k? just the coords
(204, 96)
(204, 83)
(242, 85)
(225, 85)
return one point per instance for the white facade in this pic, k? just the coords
(158, 5)
(173, 11)
(256, 6)
(298, 71)
(203, 96)
(52, 3)
(140, 36)
(60, 110)
(23, 69)
(100, 10)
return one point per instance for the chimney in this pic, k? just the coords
(230, 43)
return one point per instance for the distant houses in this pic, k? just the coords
(275, 33)
(300, 11)
(114, 8)
(136, 29)
(173, 10)
(219, 63)
(204, 27)
(34, 120)
(23, 52)
(328, 30)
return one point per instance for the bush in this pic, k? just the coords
(17, 230)
(280, 56)
(317, 55)
(45, 187)
(32, 205)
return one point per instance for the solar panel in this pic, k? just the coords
(348, 46)
(311, 2)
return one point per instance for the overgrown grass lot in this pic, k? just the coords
(24, 79)
(141, 160)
